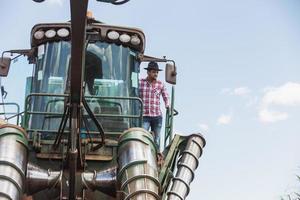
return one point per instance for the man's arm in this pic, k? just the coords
(165, 96)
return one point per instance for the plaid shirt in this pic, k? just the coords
(150, 95)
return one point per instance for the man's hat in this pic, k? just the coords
(153, 66)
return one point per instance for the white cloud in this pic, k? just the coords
(285, 95)
(224, 119)
(203, 127)
(239, 91)
(55, 2)
(266, 116)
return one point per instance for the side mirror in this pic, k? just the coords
(4, 66)
(171, 74)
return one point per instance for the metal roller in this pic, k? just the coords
(104, 181)
(38, 179)
(137, 175)
(13, 161)
(187, 164)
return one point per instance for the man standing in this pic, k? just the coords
(150, 91)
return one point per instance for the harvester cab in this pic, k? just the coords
(80, 135)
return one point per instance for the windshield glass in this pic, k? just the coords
(110, 70)
(110, 86)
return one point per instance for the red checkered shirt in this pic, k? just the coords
(150, 94)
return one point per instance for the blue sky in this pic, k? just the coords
(238, 81)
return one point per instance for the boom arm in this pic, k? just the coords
(78, 24)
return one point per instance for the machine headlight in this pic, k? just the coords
(113, 35)
(63, 32)
(50, 33)
(135, 40)
(124, 38)
(39, 35)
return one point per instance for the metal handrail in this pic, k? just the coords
(14, 114)
(97, 115)
(138, 116)
(171, 112)
(66, 131)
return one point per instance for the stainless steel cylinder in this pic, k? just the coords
(38, 179)
(187, 164)
(104, 181)
(137, 174)
(13, 161)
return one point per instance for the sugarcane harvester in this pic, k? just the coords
(80, 135)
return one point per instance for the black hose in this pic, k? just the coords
(62, 126)
(97, 123)
(87, 130)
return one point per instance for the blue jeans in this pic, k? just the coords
(155, 123)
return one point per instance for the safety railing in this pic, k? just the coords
(54, 98)
(170, 113)
(9, 115)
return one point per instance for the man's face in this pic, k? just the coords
(152, 74)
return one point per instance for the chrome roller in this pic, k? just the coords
(187, 164)
(38, 179)
(104, 181)
(13, 161)
(137, 174)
